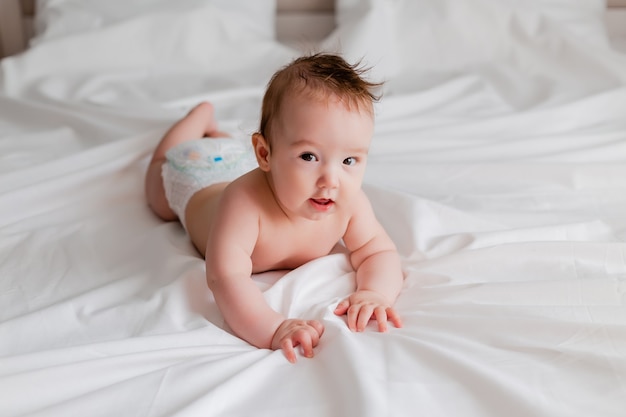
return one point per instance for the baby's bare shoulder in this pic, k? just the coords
(361, 205)
(248, 190)
(362, 218)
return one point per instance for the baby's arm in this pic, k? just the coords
(229, 267)
(378, 271)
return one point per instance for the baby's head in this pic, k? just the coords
(315, 133)
(318, 77)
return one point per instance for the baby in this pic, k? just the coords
(288, 200)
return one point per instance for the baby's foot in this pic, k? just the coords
(211, 130)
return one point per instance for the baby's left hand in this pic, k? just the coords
(364, 305)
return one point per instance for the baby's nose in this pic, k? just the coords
(329, 178)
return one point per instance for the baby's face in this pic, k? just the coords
(318, 155)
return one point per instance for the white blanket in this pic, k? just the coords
(505, 194)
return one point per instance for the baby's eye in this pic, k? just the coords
(309, 157)
(351, 160)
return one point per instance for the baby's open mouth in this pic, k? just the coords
(322, 204)
(322, 201)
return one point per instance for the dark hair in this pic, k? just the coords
(320, 75)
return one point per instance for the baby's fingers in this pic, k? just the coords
(381, 317)
(287, 347)
(364, 316)
(359, 316)
(319, 329)
(307, 346)
(306, 338)
(342, 307)
(394, 317)
(306, 341)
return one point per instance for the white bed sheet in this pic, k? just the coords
(509, 219)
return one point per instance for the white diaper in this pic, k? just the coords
(199, 163)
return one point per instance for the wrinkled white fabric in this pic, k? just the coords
(509, 219)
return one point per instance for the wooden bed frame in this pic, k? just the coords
(297, 22)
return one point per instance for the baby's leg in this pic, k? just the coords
(199, 122)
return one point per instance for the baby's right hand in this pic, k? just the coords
(294, 332)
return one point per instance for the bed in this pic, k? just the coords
(498, 167)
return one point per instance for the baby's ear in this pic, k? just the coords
(262, 151)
